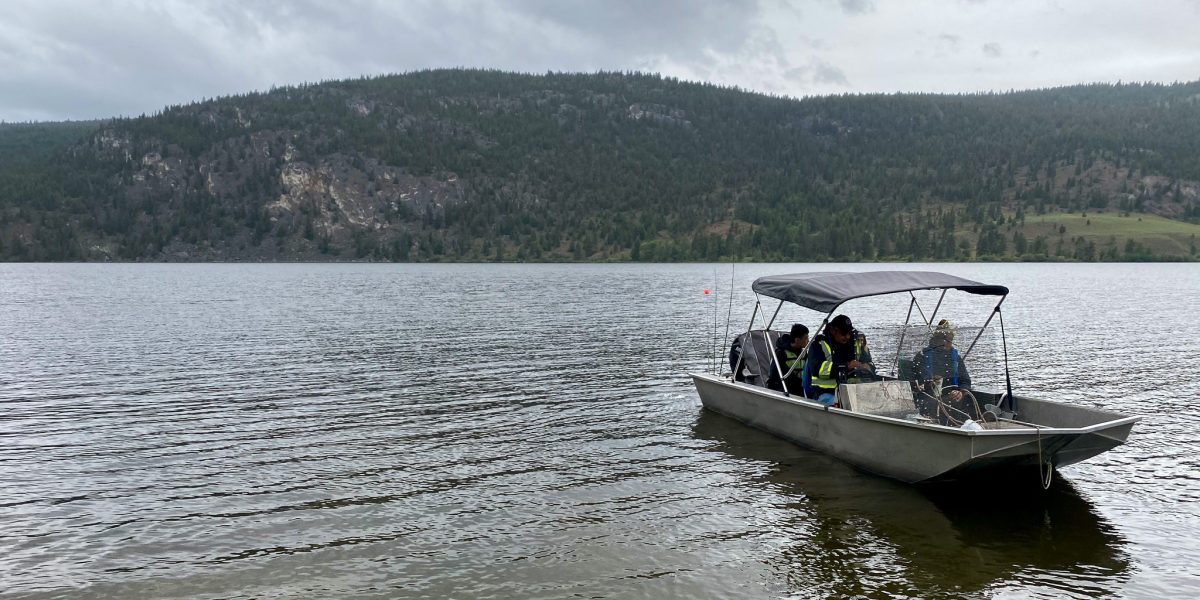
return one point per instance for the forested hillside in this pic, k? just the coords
(462, 165)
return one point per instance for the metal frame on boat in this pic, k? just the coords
(893, 437)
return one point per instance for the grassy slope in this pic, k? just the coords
(1162, 236)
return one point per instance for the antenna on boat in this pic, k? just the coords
(732, 288)
(729, 312)
(712, 334)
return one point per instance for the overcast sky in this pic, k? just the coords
(85, 59)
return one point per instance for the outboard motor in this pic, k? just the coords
(756, 348)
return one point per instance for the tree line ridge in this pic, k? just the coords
(481, 165)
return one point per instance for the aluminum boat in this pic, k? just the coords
(898, 424)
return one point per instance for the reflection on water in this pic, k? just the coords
(853, 533)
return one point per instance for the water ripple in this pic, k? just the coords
(432, 431)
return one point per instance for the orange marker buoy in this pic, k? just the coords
(705, 291)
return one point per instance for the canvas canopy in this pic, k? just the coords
(826, 291)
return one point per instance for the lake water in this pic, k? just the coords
(529, 431)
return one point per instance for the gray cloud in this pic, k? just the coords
(857, 7)
(141, 56)
(676, 27)
(827, 73)
(945, 45)
(817, 72)
(96, 58)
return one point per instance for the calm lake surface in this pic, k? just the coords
(530, 431)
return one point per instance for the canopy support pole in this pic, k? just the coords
(936, 308)
(749, 328)
(803, 360)
(1004, 341)
(995, 312)
(820, 330)
(919, 311)
(773, 315)
(1012, 402)
(771, 347)
(903, 332)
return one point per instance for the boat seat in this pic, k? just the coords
(881, 398)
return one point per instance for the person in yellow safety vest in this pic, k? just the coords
(788, 349)
(862, 353)
(830, 359)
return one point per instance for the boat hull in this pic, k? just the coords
(909, 451)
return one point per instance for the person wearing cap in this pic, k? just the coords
(789, 348)
(830, 359)
(940, 360)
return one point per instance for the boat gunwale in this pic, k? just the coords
(813, 405)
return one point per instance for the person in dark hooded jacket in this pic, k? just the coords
(788, 349)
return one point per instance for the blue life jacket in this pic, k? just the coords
(928, 354)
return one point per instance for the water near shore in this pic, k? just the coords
(529, 431)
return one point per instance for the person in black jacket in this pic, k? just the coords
(788, 350)
(830, 359)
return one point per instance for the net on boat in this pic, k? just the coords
(953, 372)
(917, 352)
(918, 369)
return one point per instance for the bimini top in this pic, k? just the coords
(827, 291)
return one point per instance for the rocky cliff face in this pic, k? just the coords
(326, 174)
(311, 206)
